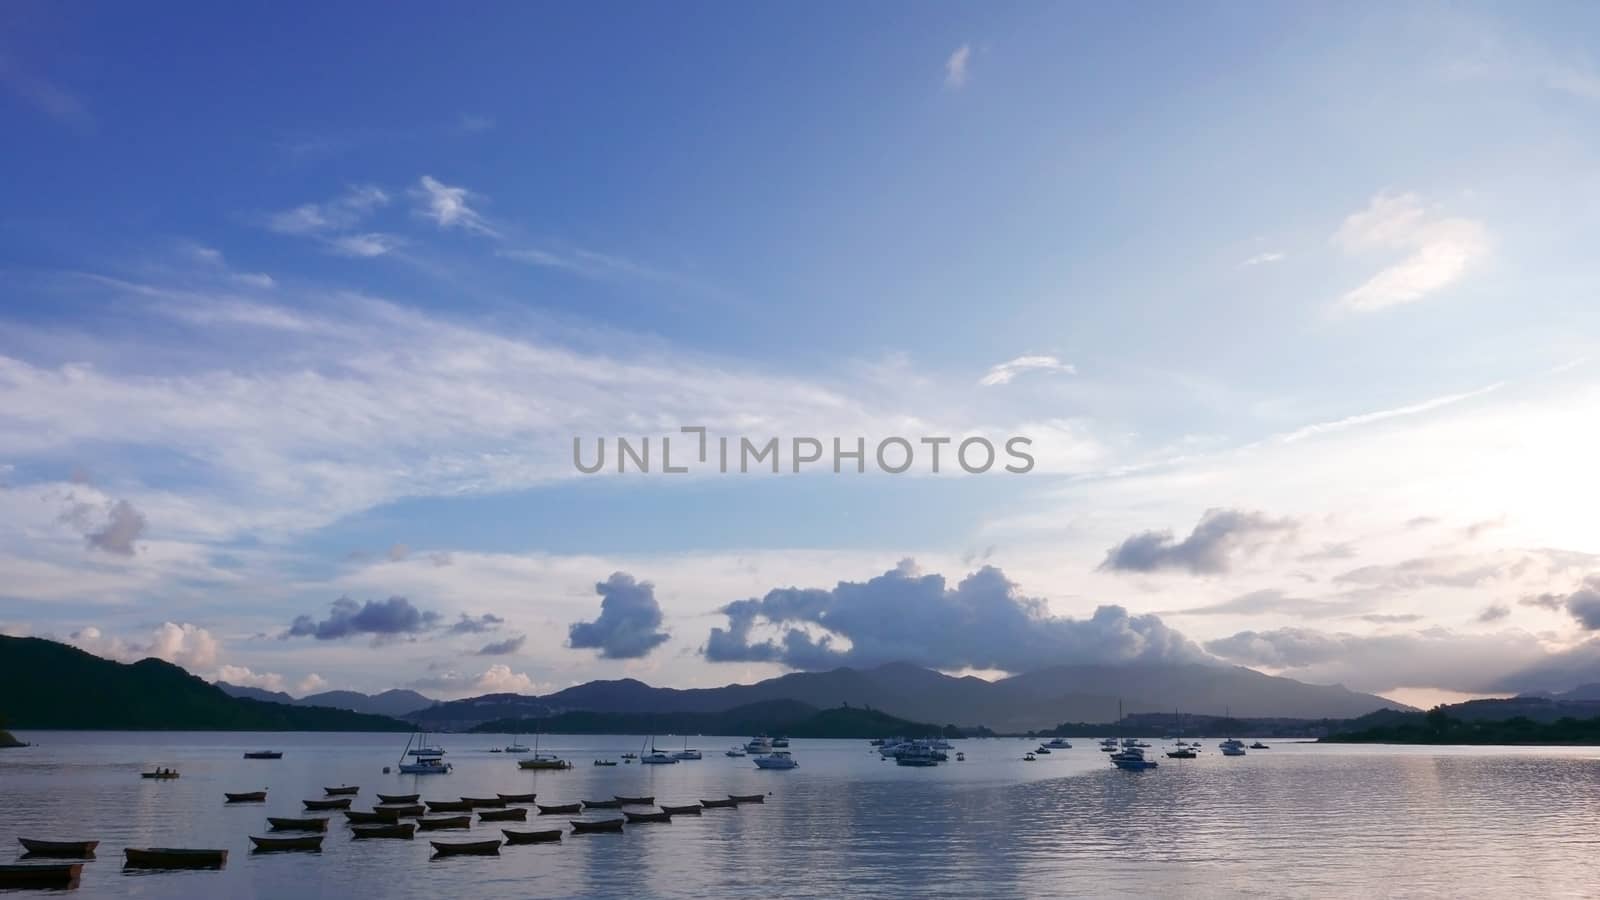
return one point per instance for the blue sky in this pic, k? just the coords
(304, 308)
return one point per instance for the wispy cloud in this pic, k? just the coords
(1438, 250)
(44, 95)
(1006, 372)
(1397, 412)
(341, 213)
(955, 67)
(1261, 259)
(448, 206)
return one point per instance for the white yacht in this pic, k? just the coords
(686, 752)
(654, 757)
(1058, 744)
(777, 759)
(425, 760)
(735, 751)
(1232, 747)
(759, 744)
(1132, 759)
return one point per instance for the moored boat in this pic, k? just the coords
(580, 826)
(735, 751)
(247, 797)
(400, 811)
(605, 762)
(692, 809)
(449, 806)
(358, 817)
(558, 808)
(636, 801)
(748, 798)
(58, 848)
(160, 774)
(1029, 757)
(263, 754)
(516, 814)
(343, 790)
(531, 837)
(282, 824)
(472, 848)
(400, 798)
(484, 802)
(429, 765)
(636, 817)
(602, 804)
(341, 803)
(517, 798)
(542, 763)
(729, 803)
(405, 830)
(175, 858)
(307, 842)
(1259, 746)
(1132, 759)
(1058, 744)
(40, 875)
(777, 759)
(435, 823)
(1180, 753)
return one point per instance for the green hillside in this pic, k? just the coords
(788, 717)
(53, 685)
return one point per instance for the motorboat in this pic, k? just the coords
(735, 751)
(1108, 745)
(777, 759)
(921, 757)
(778, 743)
(425, 765)
(1181, 752)
(1132, 759)
(1029, 757)
(1259, 746)
(758, 744)
(1042, 749)
(1232, 747)
(1058, 744)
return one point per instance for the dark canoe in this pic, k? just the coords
(559, 809)
(718, 804)
(384, 831)
(308, 842)
(636, 817)
(342, 791)
(161, 775)
(636, 801)
(602, 804)
(399, 812)
(250, 797)
(517, 798)
(488, 802)
(46, 875)
(579, 826)
(341, 803)
(531, 837)
(357, 817)
(748, 798)
(504, 815)
(264, 754)
(398, 798)
(692, 809)
(58, 848)
(176, 858)
(448, 806)
(438, 822)
(476, 848)
(297, 824)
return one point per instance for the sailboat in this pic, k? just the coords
(686, 753)
(516, 746)
(657, 758)
(425, 760)
(542, 761)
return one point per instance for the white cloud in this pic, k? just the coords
(448, 206)
(955, 67)
(497, 679)
(365, 245)
(1006, 372)
(242, 676)
(255, 279)
(189, 646)
(1438, 250)
(1261, 259)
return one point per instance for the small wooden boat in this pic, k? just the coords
(636, 817)
(449, 806)
(162, 774)
(531, 837)
(748, 798)
(47, 875)
(58, 848)
(559, 808)
(249, 797)
(636, 801)
(480, 802)
(307, 842)
(437, 822)
(279, 824)
(398, 798)
(341, 803)
(400, 811)
(692, 809)
(474, 848)
(605, 762)
(342, 791)
(719, 804)
(175, 858)
(264, 754)
(602, 804)
(518, 814)
(581, 827)
(396, 830)
(517, 798)
(357, 817)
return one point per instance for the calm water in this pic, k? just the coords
(1296, 820)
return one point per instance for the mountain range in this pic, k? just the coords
(388, 703)
(1033, 701)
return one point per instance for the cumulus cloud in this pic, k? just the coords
(186, 645)
(955, 66)
(1437, 250)
(1583, 604)
(477, 624)
(1494, 612)
(110, 526)
(387, 619)
(1006, 372)
(448, 206)
(1273, 601)
(983, 622)
(629, 625)
(503, 648)
(497, 679)
(1221, 537)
